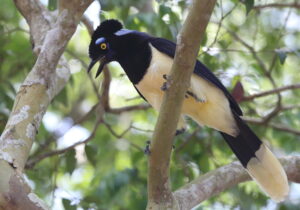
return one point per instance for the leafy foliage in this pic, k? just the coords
(252, 46)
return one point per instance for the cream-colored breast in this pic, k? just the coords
(150, 85)
(214, 111)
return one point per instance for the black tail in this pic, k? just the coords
(259, 161)
(245, 144)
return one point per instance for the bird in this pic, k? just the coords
(147, 61)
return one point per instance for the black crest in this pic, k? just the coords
(107, 28)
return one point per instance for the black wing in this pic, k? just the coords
(168, 47)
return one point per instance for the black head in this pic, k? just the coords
(99, 49)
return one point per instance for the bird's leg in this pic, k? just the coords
(166, 85)
(190, 93)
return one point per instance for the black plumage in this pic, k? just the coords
(146, 59)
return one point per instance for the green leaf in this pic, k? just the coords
(52, 5)
(164, 10)
(11, 87)
(91, 154)
(62, 98)
(67, 204)
(249, 5)
(281, 55)
(70, 161)
(204, 39)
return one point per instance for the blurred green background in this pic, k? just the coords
(258, 47)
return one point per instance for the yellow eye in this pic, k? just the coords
(103, 46)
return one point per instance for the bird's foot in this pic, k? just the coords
(147, 148)
(166, 77)
(179, 131)
(166, 85)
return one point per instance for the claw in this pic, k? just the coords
(166, 77)
(147, 148)
(189, 93)
(166, 85)
(179, 131)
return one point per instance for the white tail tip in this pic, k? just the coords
(267, 171)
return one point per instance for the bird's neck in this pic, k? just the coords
(134, 56)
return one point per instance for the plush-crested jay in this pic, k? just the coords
(147, 60)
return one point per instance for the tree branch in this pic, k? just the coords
(272, 125)
(285, 129)
(33, 162)
(159, 190)
(267, 73)
(128, 108)
(88, 24)
(49, 36)
(214, 182)
(268, 92)
(278, 5)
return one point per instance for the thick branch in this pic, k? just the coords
(38, 19)
(49, 36)
(159, 190)
(216, 181)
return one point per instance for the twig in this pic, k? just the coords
(31, 163)
(14, 30)
(289, 107)
(85, 66)
(285, 129)
(277, 5)
(52, 136)
(268, 92)
(118, 136)
(140, 129)
(220, 23)
(272, 125)
(136, 146)
(216, 49)
(267, 71)
(277, 109)
(128, 108)
(105, 89)
(250, 48)
(187, 140)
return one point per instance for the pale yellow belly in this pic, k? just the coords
(213, 112)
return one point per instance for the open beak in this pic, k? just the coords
(102, 60)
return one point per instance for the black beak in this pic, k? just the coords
(102, 60)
